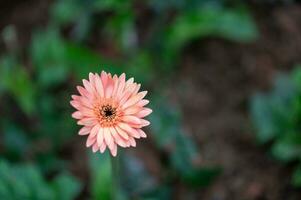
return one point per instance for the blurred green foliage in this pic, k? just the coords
(26, 182)
(277, 119)
(36, 83)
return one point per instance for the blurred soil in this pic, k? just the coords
(215, 81)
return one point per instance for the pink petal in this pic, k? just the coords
(103, 147)
(117, 138)
(128, 144)
(144, 112)
(92, 79)
(87, 121)
(75, 104)
(131, 119)
(129, 82)
(132, 142)
(82, 91)
(99, 86)
(88, 86)
(142, 103)
(135, 99)
(86, 102)
(75, 97)
(144, 122)
(121, 86)
(115, 87)
(108, 138)
(94, 130)
(142, 133)
(122, 133)
(114, 150)
(137, 126)
(132, 88)
(104, 79)
(129, 130)
(109, 90)
(90, 141)
(95, 147)
(132, 110)
(100, 136)
(137, 89)
(125, 97)
(84, 130)
(77, 115)
(88, 112)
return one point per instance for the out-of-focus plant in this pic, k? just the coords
(34, 93)
(277, 119)
(26, 182)
(183, 154)
(167, 35)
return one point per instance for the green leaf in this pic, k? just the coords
(65, 11)
(286, 151)
(15, 80)
(233, 24)
(15, 141)
(48, 54)
(22, 181)
(202, 176)
(66, 187)
(296, 178)
(296, 76)
(263, 118)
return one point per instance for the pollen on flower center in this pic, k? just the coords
(107, 112)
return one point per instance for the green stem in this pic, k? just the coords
(115, 177)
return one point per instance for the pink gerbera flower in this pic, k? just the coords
(111, 111)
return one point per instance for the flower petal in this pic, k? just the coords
(103, 147)
(77, 115)
(144, 122)
(88, 86)
(108, 138)
(99, 86)
(87, 121)
(132, 110)
(114, 150)
(94, 130)
(137, 88)
(104, 79)
(121, 86)
(117, 138)
(144, 112)
(100, 136)
(132, 142)
(90, 141)
(142, 103)
(83, 91)
(131, 119)
(134, 99)
(131, 131)
(84, 130)
(122, 133)
(142, 133)
(95, 147)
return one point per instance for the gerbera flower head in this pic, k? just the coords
(111, 111)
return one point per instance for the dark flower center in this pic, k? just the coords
(108, 112)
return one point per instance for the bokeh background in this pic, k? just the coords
(224, 80)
